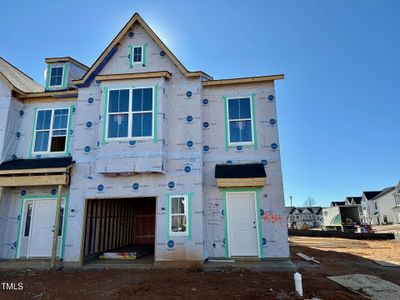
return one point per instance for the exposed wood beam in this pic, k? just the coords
(243, 80)
(240, 182)
(142, 75)
(12, 181)
(35, 171)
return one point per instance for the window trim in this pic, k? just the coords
(251, 119)
(173, 233)
(133, 53)
(130, 115)
(62, 76)
(50, 131)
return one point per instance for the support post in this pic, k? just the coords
(56, 227)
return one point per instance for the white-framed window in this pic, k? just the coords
(137, 54)
(130, 113)
(178, 214)
(51, 130)
(240, 121)
(56, 76)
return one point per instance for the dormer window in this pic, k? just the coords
(56, 76)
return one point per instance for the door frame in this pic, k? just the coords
(22, 212)
(255, 193)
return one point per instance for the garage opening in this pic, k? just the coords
(120, 231)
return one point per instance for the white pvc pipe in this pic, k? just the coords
(298, 284)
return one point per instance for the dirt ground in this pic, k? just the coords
(337, 257)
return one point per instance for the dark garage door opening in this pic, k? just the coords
(120, 230)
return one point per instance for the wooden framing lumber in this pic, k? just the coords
(142, 75)
(16, 181)
(242, 80)
(35, 171)
(240, 182)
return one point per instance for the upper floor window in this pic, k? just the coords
(178, 215)
(137, 54)
(240, 118)
(130, 113)
(56, 76)
(51, 128)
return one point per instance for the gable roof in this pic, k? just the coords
(336, 203)
(313, 209)
(64, 59)
(384, 192)
(17, 80)
(113, 47)
(371, 194)
(357, 200)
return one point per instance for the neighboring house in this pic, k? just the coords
(310, 217)
(338, 203)
(136, 153)
(367, 209)
(396, 208)
(383, 207)
(355, 201)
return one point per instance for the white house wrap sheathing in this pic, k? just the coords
(189, 141)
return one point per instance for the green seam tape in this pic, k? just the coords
(226, 124)
(65, 79)
(33, 133)
(167, 196)
(130, 56)
(19, 227)
(259, 223)
(155, 112)
(64, 231)
(105, 114)
(226, 226)
(144, 54)
(48, 75)
(190, 197)
(253, 100)
(71, 109)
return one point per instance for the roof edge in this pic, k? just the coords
(66, 59)
(242, 80)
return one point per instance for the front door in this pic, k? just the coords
(242, 224)
(41, 238)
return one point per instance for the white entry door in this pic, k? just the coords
(41, 238)
(242, 224)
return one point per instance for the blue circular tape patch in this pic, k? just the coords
(171, 184)
(171, 244)
(189, 118)
(100, 187)
(188, 169)
(87, 149)
(189, 94)
(135, 186)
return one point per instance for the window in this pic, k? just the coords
(178, 215)
(240, 127)
(137, 54)
(56, 76)
(130, 113)
(28, 219)
(51, 130)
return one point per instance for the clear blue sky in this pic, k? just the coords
(338, 108)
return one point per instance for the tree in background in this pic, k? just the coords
(309, 202)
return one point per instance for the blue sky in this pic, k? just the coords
(338, 108)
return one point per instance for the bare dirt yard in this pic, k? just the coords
(337, 257)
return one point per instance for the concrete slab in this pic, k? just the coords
(260, 265)
(368, 285)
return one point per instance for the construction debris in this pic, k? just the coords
(307, 258)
